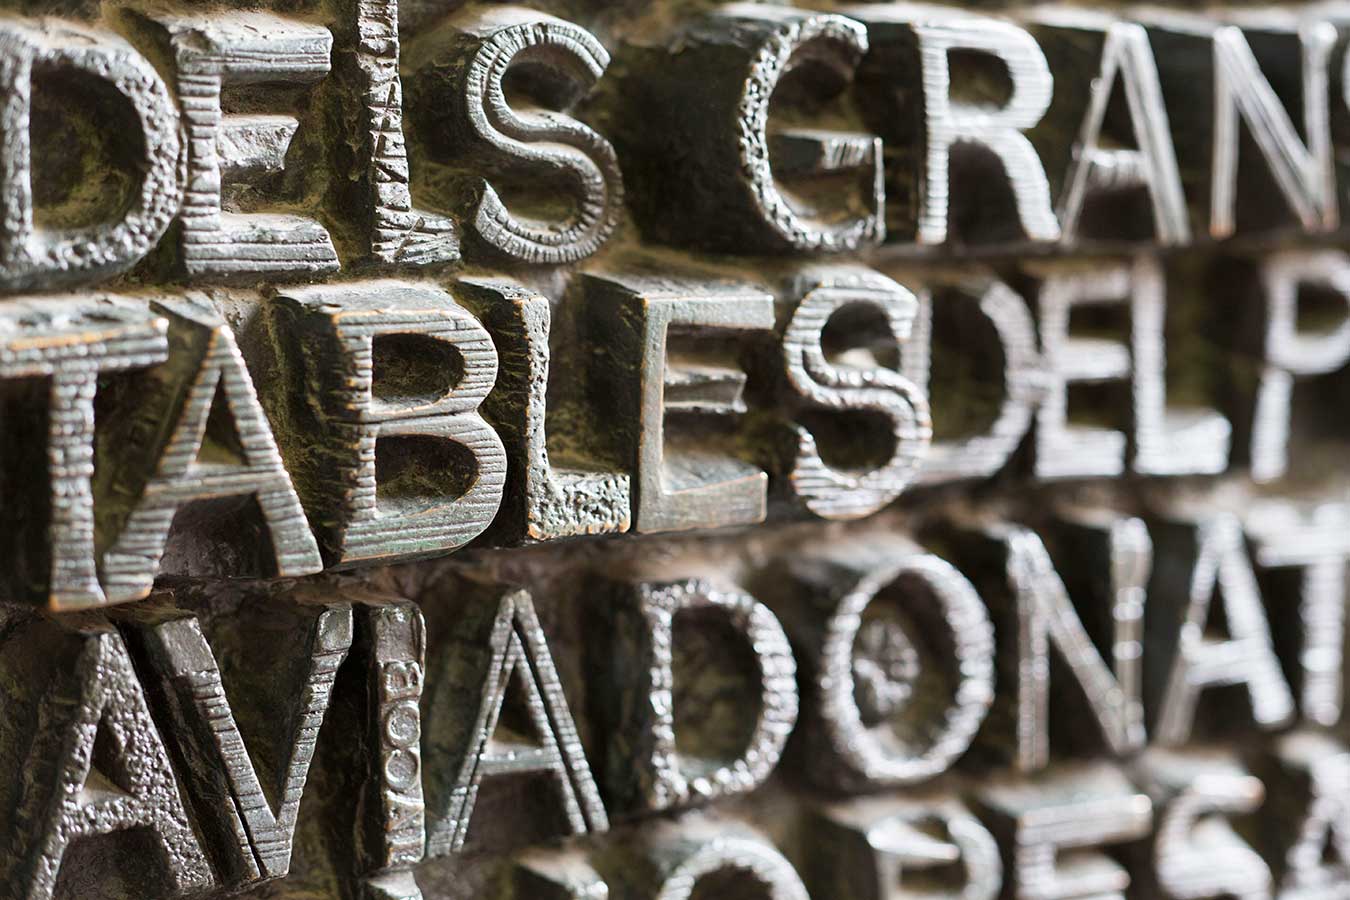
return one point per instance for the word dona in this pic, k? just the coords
(1103, 128)
(883, 661)
(396, 420)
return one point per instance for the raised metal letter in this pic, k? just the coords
(393, 375)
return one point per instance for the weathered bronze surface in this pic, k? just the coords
(673, 450)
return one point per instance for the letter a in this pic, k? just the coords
(517, 650)
(96, 765)
(180, 475)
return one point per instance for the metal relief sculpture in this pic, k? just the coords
(1310, 849)
(602, 449)
(1108, 162)
(1307, 540)
(44, 256)
(748, 164)
(1219, 569)
(424, 412)
(199, 711)
(689, 858)
(68, 345)
(1022, 378)
(96, 760)
(679, 483)
(1290, 352)
(469, 65)
(874, 847)
(1046, 619)
(1083, 810)
(1196, 851)
(398, 233)
(516, 653)
(886, 707)
(647, 767)
(547, 502)
(825, 490)
(209, 55)
(192, 460)
(1301, 165)
(391, 636)
(921, 43)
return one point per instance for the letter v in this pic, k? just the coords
(252, 832)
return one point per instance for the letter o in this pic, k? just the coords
(753, 859)
(403, 724)
(850, 653)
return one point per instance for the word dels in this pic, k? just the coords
(1068, 169)
(884, 663)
